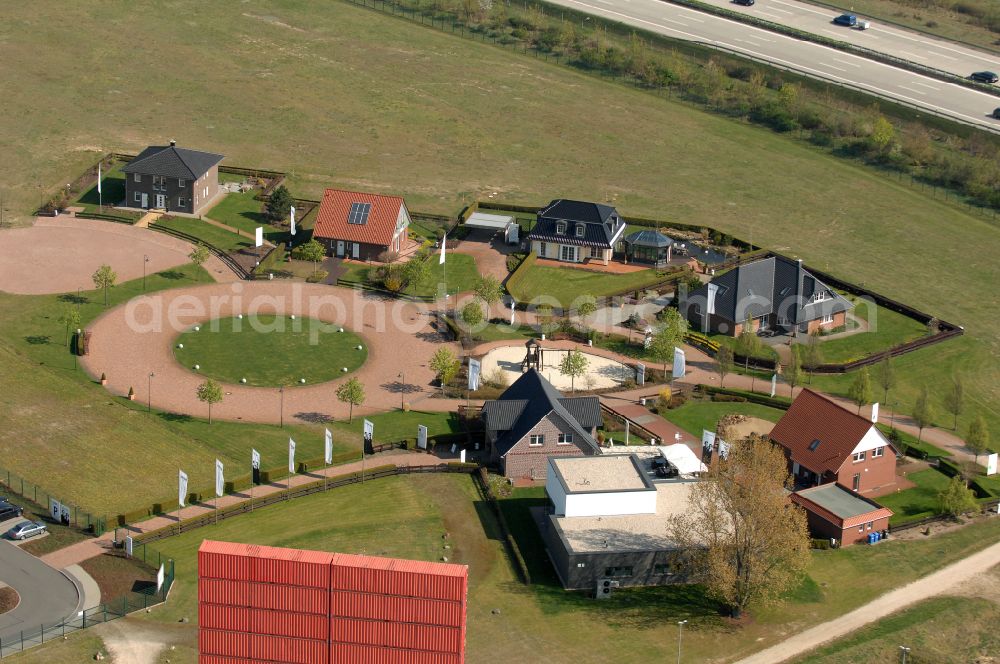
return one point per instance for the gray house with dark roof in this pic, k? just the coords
(576, 231)
(166, 177)
(532, 421)
(774, 292)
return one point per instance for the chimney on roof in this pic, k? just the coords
(173, 144)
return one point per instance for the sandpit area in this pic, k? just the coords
(602, 373)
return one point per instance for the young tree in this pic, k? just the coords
(489, 290)
(573, 364)
(445, 366)
(886, 376)
(812, 355)
(978, 438)
(312, 251)
(956, 498)
(585, 310)
(416, 271)
(861, 389)
(724, 358)
(751, 545)
(472, 314)
(279, 203)
(210, 392)
(954, 399)
(793, 371)
(104, 278)
(352, 393)
(70, 317)
(199, 255)
(668, 336)
(923, 411)
(748, 345)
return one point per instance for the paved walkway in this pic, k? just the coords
(666, 432)
(90, 591)
(933, 584)
(86, 549)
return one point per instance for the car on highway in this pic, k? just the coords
(9, 511)
(984, 77)
(27, 529)
(745, 3)
(850, 20)
(996, 113)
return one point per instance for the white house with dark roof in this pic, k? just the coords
(576, 231)
(166, 177)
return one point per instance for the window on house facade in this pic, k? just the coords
(541, 249)
(662, 568)
(618, 571)
(181, 183)
(568, 253)
(827, 318)
(181, 202)
(536, 440)
(579, 230)
(137, 197)
(858, 456)
(856, 484)
(137, 177)
(565, 438)
(861, 528)
(561, 227)
(869, 525)
(160, 182)
(819, 296)
(877, 452)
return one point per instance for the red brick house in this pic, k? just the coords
(353, 224)
(834, 512)
(826, 443)
(532, 421)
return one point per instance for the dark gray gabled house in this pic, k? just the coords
(774, 292)
(166, 177)
(532, 421)
(576, 231)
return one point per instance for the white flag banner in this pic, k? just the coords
(291, 456)
(422, 436)
(369, 436)
(182, 488)
(259, 237)
(991, 464)
(159, 579)
(875, 412)
(55, 509)
(328, 448)
(475, 366)
(712, 290)
(640, 374)
(220, 482)
(444, 242)
(774, 385)
(255, 460)
(707, 439)
(129, 546)
(293, 219)
(723, 449)
(98, 177)
(679, 368)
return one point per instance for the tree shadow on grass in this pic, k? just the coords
(73, 298)
(38, 339)
(175, 417)
(314, 418)
(173, 275)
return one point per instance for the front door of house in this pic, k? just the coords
(340, 248)
(356, 252)
(161, 201)
(145, 201)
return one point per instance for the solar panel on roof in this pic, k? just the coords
(359, 213)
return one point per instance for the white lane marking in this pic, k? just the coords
(745, 41)
(941, 55)
(783, 11)
(770, 15)
(966, 53)
(849, 64)
(827, 64)
(800, 7)
(668, 20)
(906, 87)
(929, 87)
(914, 55)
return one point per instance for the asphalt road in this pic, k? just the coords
(46, 595)
(898, 42)
(937, 97)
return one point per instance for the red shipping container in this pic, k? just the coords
(264, 564)
(264, 596)
(263, 621)
(217, 642)
(408, 578)
(392, 607)
(289, 651)
(396, 635)
(343, 653)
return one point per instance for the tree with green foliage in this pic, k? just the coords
(861, 389)
(956, 498)
(472, 314)
(104, 278)
(793, 371)
(883, 134)
(210, 392)
(954, 399)
(352, 393)
(489, 290)
(812, 356)
(279, 203)
(586, 309)
(667, 336)
(573, 364)
(749, 545)
(199, 255)
(978, 437)
(885, 374)
(923, 411)
(312, 251)
(445, 366)
(416, 271)
(724, 363)
(70, 317)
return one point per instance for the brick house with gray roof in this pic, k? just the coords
(576, 231)
(166, 177)
(774, 292)
(532, 421)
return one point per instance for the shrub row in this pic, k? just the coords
(520, 274)
(752, 397)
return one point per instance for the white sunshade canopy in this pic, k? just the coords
(683, 459)
(490, 221)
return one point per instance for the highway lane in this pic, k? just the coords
(955, 101)
(891, 40)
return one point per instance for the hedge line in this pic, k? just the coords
(520, 274)
(753, 397)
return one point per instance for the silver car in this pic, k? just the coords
(26, 529)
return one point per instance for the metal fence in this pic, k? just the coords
(41, 496)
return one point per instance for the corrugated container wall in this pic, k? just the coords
(396, 635)
(264, 621)
(344, 653)
(391, 607)
(405, 584)
(264, 596)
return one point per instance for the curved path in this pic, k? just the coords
(47, 596)
(59, 254)
(135, 339)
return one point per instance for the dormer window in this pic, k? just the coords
(561, 227)
(820, 296)
(579, 230)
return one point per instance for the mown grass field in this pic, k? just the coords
(696, 416)
(206, 232)
(919, 501)
(562, 286)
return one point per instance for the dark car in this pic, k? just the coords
(745, 3)
(850, 20)
(984, 77)
(9, 511)
(996, 113)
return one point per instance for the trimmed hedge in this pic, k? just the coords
(520, 274)
(761, 399)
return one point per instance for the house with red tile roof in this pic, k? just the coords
(352, 224)
(834, 512)
(826, 443)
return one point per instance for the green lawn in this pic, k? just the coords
(206, 232)
(112, 190)
(244, 212)
(562, 285)
(887, 329)
(918, 502)
(696, 416)
(269, 350)
(458, 274)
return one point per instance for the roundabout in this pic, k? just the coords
(270, 351)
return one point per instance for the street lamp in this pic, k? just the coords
(402, 389)
(145, 260)
(904, 651)
(680, 635)
(76, 348)
(892, 416)
(281, 395)
(149, 393)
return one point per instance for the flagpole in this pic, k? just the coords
(100, 196)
